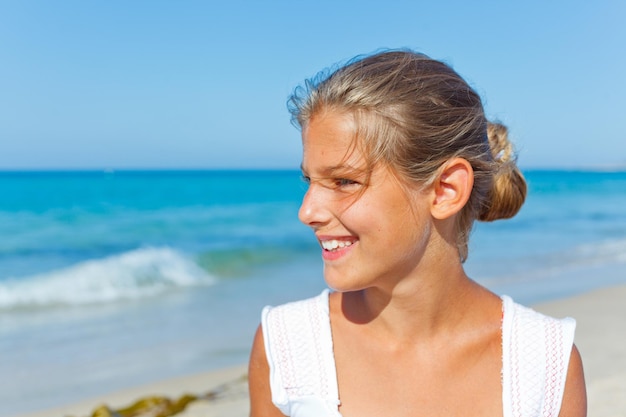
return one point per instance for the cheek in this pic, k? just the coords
(408, 247)
(410, 232)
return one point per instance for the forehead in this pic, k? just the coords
(329, 143)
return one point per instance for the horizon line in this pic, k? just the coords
(110, 170)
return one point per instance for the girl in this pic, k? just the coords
(400, 161)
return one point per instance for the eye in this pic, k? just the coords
(344, 182)
(305, 179)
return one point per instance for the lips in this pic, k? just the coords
(334, 248)
(334, 244)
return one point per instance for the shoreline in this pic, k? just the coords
(600, 338)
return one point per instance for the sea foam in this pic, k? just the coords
(135, 274)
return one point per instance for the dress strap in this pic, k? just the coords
(535, 357)
(299, 348)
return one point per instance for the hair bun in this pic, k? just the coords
(508, 190)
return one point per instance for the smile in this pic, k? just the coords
(333, 244)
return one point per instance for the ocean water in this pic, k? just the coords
(113, 279)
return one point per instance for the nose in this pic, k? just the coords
(312, 211)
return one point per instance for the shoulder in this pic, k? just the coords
(260, 394)
(296, 342)
(531, 337)
(522, 318)
(272, 353)
(575, 395)
(539, 359)
(293, 323)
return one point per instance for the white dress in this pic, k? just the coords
(303, 382)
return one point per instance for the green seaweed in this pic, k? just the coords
(160, 406)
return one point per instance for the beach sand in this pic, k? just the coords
(600, 337)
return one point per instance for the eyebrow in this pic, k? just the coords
(333, 169)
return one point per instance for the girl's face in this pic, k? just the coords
(371, 235)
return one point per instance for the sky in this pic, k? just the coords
(183, 84)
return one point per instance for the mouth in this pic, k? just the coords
(334, 249)
(333, 245)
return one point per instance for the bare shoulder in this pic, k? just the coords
(259, 380)
(575, 395)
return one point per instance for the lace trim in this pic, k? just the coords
(535, 362)
(301, 356)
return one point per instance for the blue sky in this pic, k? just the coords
(203, 84)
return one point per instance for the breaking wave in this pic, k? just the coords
(131, 275)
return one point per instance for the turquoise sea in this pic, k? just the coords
(114, 279)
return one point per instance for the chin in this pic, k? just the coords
(341, 282)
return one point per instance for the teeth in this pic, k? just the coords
(334, 244)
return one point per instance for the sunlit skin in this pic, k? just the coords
(382, 225)
(412, 334)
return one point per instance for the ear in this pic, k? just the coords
(452, 188)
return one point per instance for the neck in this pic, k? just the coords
(421, 306)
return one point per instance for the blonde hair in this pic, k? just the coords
(415, 113)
